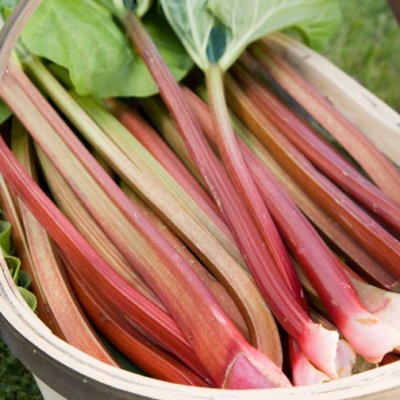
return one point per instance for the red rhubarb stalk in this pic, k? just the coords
(149, 138)
(58, 306)
(70, 205)
(93, 268)
(317, 343)
(330, 281)
(126, 338)
(323, 156)
(205, 327)
(331, 230)
(375, 164)
(232, 157)
(197, 229)
(372, 236)
(213, 285)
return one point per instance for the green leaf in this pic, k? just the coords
(29, 297)
(84, 38)
(14, 265)
(117, 7)
(24, 279)
(193, 23)
(5, 112)
(194, 20)
(21, 278)
(5, 236)
(7, 5)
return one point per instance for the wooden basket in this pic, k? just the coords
(73, 375)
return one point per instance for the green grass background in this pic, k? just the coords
(367, 47)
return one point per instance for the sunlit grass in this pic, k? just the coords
(368, 47)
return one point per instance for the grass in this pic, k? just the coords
(16, 383)
(366, 47)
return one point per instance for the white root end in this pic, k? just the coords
(345, 359)
(370, 337)
(320, 347)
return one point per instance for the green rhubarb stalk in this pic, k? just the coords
(149, 138)
(97, 271)
(202, 241)
(156, 112)
(57, 305)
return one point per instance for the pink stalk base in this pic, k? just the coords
(378, 338)
(303, 372)
(263, 373)
(345, 359)
(383, 304)
(323, 360)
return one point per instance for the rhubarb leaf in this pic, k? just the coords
(29, 298)
(21, 279)
(118, 6)
(198, 24)
(84, 38)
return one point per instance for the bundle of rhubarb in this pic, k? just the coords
(232, 231)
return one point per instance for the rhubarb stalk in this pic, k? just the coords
(149, 138)
(316, 259)
(322, 155)
(260, 323)
(206, 327)
(372, 236)
(317, 343)
(377, 166)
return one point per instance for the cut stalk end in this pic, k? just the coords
(370, 337)
(345, 359)
(252, 370)
(320, 347)
(304, 373)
